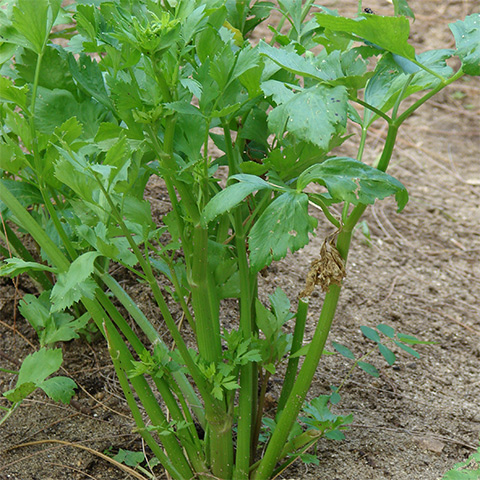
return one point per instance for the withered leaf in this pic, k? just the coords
(328, 269)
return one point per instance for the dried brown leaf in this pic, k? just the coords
(328, 269)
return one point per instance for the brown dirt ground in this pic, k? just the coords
(421, 275)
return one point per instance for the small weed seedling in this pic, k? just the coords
(33, 374)
(467, 470)
(142, 89)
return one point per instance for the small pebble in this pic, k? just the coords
(430, 443)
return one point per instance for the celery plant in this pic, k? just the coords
(81, 136)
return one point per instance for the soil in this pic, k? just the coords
(420, 274)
